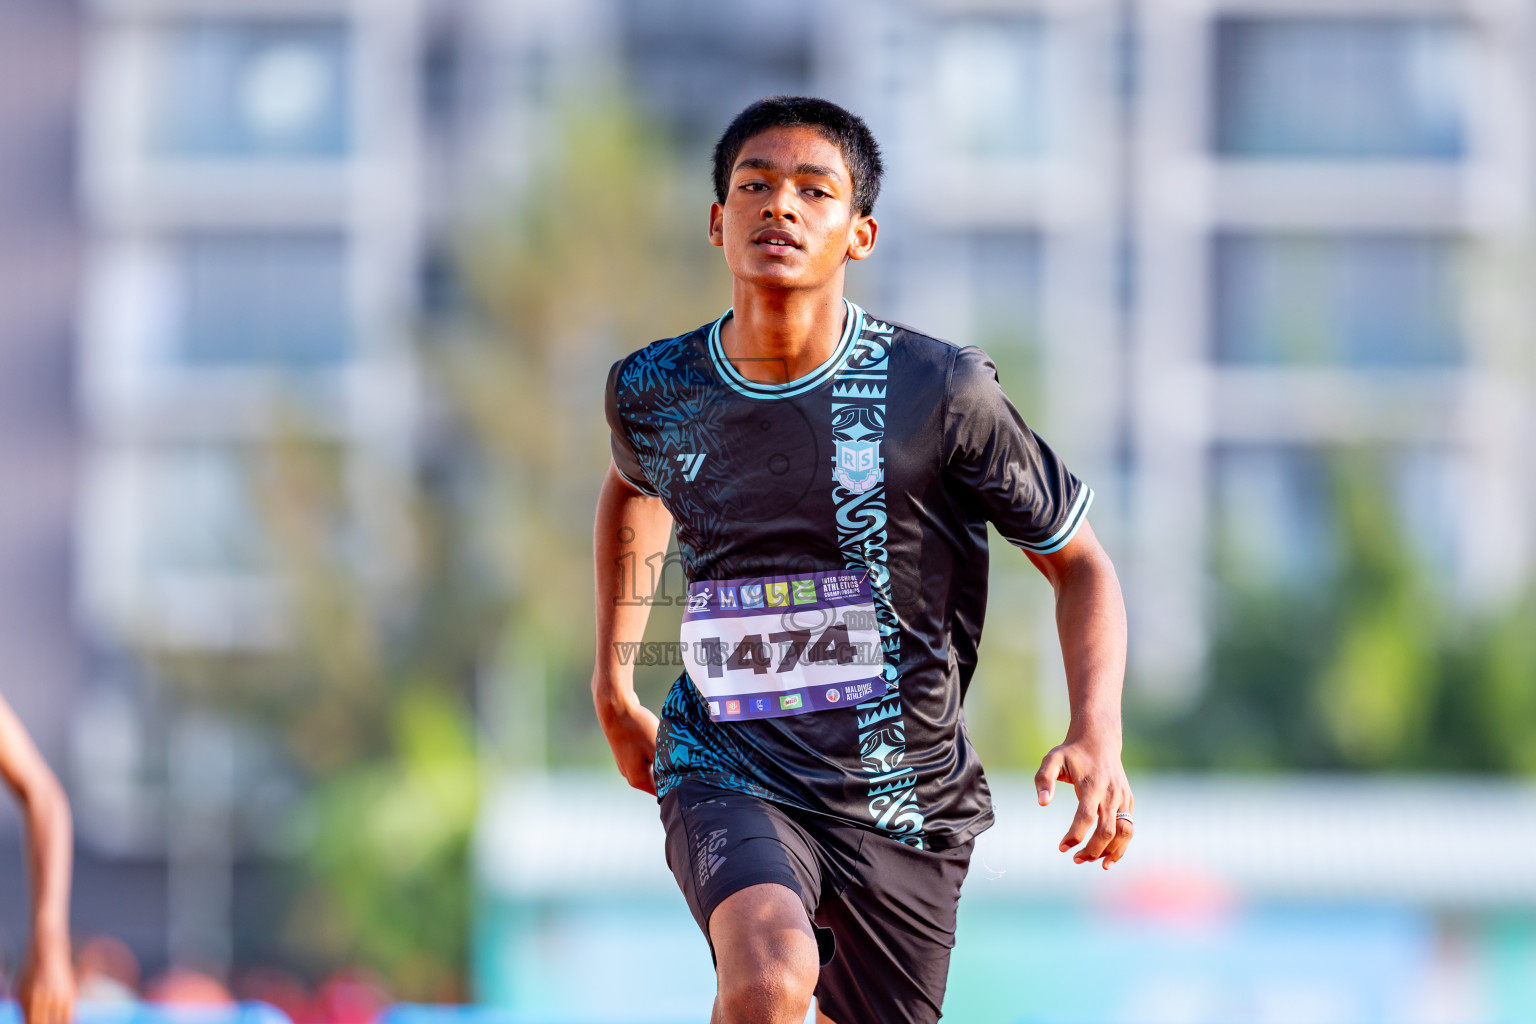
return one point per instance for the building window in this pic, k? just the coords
(990, 83)
(1274, 517)
(1340, 88)
(1365, 300)
(1005, 272)
(221, 510)
(1285, 513)
(692, 65)
(262, 300)
(245, 89)
(202, 515)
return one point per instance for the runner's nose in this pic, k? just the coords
(780, 204)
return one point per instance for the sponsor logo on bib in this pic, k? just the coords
(859, 691)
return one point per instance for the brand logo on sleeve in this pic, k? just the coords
(692, 463)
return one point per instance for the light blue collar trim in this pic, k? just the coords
(853, 326)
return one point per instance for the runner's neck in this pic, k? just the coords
(782, 336)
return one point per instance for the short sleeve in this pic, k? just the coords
(624, 458)
(993, 458)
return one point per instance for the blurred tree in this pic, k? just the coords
(453, 633)
(606, 252)
(1373, 668)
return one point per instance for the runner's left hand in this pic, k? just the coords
(1092, 766)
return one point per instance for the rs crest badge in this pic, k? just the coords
(857, 465)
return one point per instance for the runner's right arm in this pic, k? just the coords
(47, 981)
(631, 527)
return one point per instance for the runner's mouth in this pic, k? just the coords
(775, 242)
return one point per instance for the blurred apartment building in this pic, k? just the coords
(1234, 238)
(264, 193)
(1208, 242)
(1332, 216)
(39, 243)
(248, 185)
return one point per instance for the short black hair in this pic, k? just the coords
(841, 127)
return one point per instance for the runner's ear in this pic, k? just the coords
(716, 225)
(861, 236)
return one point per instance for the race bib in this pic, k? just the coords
(770, 646)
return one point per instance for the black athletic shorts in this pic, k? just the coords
(884, 912)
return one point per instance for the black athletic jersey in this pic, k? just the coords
(889, 460)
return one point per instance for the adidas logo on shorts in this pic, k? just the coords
(706, 861)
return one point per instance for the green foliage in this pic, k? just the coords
(1011, 713)
(389, 851)
(601, 255)
(468, 600)
(607, 253)
(1373, 668)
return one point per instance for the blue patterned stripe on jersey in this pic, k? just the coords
(1061, 537)
(858, 416)
(852, 325)
(689, 745)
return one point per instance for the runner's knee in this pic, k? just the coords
(767, 960)
(774, 984)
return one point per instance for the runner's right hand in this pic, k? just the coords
(47, 990)
(630, 728)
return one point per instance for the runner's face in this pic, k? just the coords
(788, 219)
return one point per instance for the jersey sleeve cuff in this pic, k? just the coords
(1062, 537)
(645, 489)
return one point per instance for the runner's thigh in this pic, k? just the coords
(720, 842)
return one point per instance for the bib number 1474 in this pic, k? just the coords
(792, 647)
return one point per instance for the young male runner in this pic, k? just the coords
(831, 476)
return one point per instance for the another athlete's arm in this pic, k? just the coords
(1090, 619)
(47, 981)
(631, 527)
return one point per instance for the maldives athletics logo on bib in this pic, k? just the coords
(857, 465)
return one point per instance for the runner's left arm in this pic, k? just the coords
(1090, 621)
(1017, 482)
